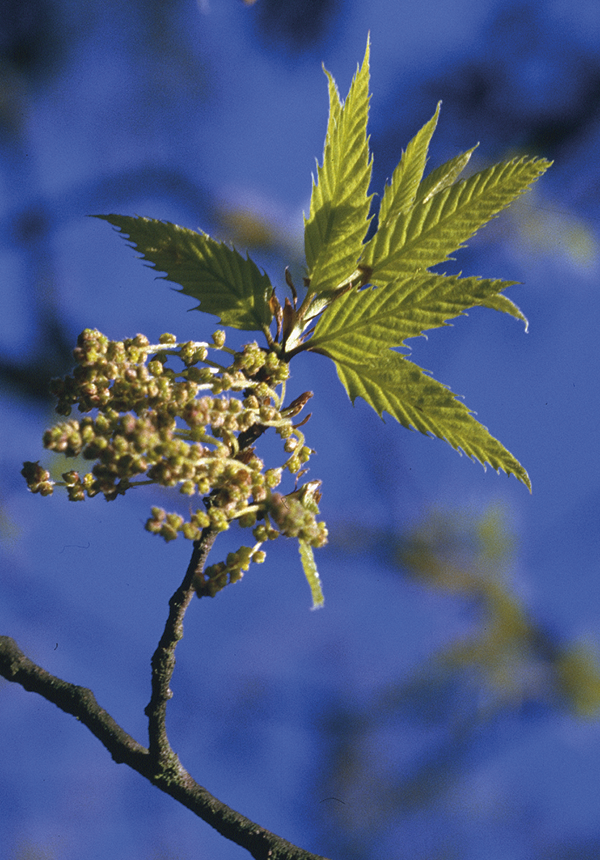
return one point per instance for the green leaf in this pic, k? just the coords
(358, 330)
(366, 323)
(443, 176)
(429, 232)
(395, 385)
(311, 573)
(225, 283)
(400, 194)
(339, 208)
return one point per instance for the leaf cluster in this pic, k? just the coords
(188, 415)
(363, 298)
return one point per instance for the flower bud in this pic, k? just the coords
(273, 478)
(247, 521)
(190, 531)
(196, 374)
(201, 519)
(294, 464)
(168, 532)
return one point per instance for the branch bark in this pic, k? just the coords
(158, 763)
(163, 659)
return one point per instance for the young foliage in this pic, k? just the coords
(338, 222)
(225, 283)
(364, 299)
(189, 415)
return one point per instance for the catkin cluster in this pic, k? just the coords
(191, 427)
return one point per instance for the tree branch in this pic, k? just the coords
(80, 702)
(163, 659)
(159, 763)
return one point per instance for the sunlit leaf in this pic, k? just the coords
(395, 385)
(429, 233)
(339, 206)
(365, 323)
(225, 283)
(443, 176)
(400, 194)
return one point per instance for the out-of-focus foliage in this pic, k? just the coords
(451, 709)
(512, 657)
(545, 228)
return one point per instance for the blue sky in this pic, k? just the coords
(196, 113)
